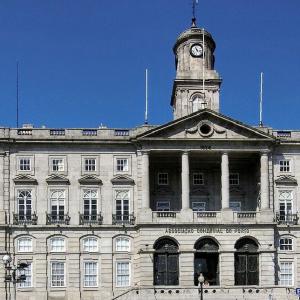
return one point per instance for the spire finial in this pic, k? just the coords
(194, 13)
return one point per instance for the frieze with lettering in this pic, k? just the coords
(207, 230)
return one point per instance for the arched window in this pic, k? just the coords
(198, 103)
(246, 262)
(166, 269)
(206, 261)
(57, 244)
(122, 244)
(24, 244)
(57, 202)
(90, 244)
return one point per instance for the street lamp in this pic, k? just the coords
(201, 281)
(14, 273)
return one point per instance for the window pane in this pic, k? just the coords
(57, 244)
(123, 244)
(122, 274)
(90, 244)
(57, 274)
(25, 245)
(90, 274)
(28, 273)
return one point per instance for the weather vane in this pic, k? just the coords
(194, 13)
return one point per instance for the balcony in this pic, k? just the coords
(57, 219)
(25, 219)
(207, 217)
(128, 219)
(245, 216)
(287, 219)
(96, 219)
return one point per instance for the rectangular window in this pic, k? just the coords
(57, 202)
(198, 206)
(285, 206)
(286, 244)
(284, 165)
(163, 178)
(286, 273)
(24, 204)
(163, 205)
(123, 274)
(122, 164)
(235, 205)
(24, 164)
(90, 199)
(28, 273)
(234, 179)
(58, 165)
(122, 205)
(198, 178)
(90, 274)
(123, 244)
(90, 164)
(57, 274)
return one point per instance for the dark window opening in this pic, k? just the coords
(206, 261)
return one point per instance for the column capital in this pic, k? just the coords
(264, 153)
(185, 152)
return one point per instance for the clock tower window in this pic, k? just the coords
(198, 103)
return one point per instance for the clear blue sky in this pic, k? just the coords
(83, 61)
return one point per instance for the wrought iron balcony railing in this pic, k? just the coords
(90, 219)
(30, 219)
(288, 219)
(57, 219)
(123, 219)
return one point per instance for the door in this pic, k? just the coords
(246, 269)
(166, 269)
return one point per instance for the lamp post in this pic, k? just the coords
(14, 273)
(201, 281)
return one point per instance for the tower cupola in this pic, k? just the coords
(197, 84)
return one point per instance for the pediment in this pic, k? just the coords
(90, 179)
(122, 180)
(24, 179)
(206, 124)
(57, 179)
(286, 180)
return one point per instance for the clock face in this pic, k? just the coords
(197, 50)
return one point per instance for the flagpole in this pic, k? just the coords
(146, 96)
(261, 99)
(203, 64)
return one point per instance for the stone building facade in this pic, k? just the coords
(140, 213)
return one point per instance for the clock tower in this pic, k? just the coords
(197, 84)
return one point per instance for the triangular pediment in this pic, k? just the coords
(24, 179)
(57, 179)
(90, 179)
(122, 180)
(286, 180)
(206, 124)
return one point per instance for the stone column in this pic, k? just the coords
(145, 180)
(264, 181)
(185, 181)
(225, 180)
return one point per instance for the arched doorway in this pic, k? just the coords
(206, 261)
(166, 267)
(246, 262)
